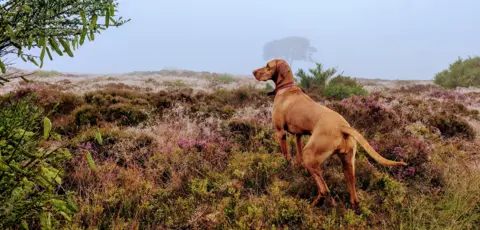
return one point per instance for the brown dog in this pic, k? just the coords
(296, 113)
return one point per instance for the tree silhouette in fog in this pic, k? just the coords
(293, 48)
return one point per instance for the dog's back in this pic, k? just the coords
(302, 115)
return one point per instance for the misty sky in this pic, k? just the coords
(394, 39)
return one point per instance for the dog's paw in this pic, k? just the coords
(356, 208)
(332, 202)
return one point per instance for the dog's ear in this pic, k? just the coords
(272, 64)
(283, 70)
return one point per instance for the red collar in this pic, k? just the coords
(274, 92)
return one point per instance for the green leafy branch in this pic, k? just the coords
(55, 27)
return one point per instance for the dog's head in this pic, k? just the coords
(275, 70)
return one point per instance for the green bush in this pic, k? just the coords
(461, 73)
(342, 87)
(31, 172)
(317, 83)
(269, 87)
(317, 80)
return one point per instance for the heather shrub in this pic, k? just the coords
(461, 73)
(123, 147)
(403, 146)
(250, 136)
(211, 161)
(452, 126)
(119, 86)
(124, 107)
(367, 114)
(448, 95)
(161, 100)
(86, 115)
(50, 99)
(416, 89)
(238, 97)
(175, 85)
(417, 110)
(125, 114)
(256, 171)
(110, 96)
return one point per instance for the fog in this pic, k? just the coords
(395, 39)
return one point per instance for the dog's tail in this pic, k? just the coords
(377, 157)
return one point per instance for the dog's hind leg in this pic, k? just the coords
(316, 151)
(348, 163)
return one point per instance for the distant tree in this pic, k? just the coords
(291, 49)
(58, 26)
(462, 72)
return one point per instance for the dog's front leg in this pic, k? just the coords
(282, 138)
(298, 155)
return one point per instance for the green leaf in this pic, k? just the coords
(10, 32)
(66, 216)
(45, 220)
(59, 204)
(54, 46)
(107, 18)
(113, 20)
(90, 161)
(23, 58)
(42, 54)
(2, 67)
(92, 36)
(65, 153)
(30, 41)
(82, 36)
(4, 167)
(43, 182)
(72, 206)
(112, 9)
(98, 137)
(93, 22)
(24, 225)
(27, 8)
(66, 46)
(47, 127)
(75, 42)
(56, 136)
(32, 60)
(15, 166)
(49, 54)
(84, 18)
